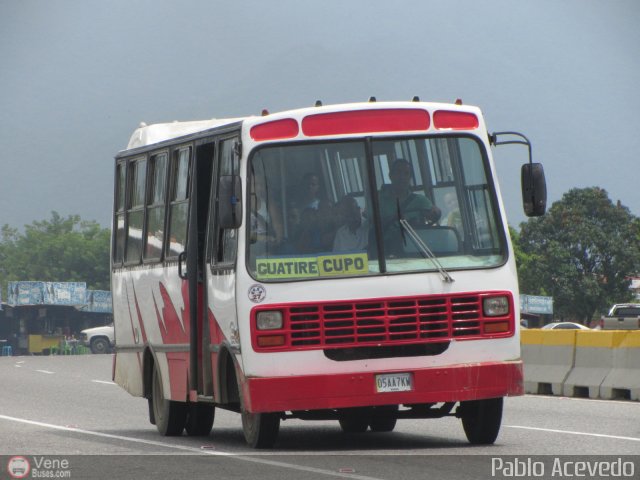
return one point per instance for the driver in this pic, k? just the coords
(416, 209)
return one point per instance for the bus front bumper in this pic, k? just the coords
(428, 385)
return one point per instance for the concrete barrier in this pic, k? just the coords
(623, 380)
(547, 356)
(593, 362)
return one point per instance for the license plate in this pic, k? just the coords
(394, 382)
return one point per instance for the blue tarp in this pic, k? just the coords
(99, 301)
(59, 293)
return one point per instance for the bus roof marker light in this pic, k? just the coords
(415, 98)
(454, 120)
(372, 99)
(458, 101)
(318, 103)
(366, 121)
(275, 130)
(265, 112)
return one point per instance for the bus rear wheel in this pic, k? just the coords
(170, 417)
(481, 420)
(199, 419)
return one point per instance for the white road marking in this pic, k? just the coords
(581, 399)
(570, 432)
(103, 381)
(235, 456)
(46, 371)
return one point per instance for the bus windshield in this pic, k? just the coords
(322, 210)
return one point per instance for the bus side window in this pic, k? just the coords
(155, 207)
(135, 214)
(119, 208)
(179, 203)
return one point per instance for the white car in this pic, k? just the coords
(99, 339)
(565, 326)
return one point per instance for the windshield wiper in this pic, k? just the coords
(426, 251)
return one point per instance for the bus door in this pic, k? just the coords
(221, 325)
(193, 258)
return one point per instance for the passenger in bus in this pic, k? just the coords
(317, 228)
(398, 201)
(416, 209)
(310, 194)
(353, 235)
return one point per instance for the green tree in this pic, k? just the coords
(56, 250)
(583, 253)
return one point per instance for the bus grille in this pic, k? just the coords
(391, 321)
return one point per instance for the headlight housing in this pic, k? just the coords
(495, 306)
(269, 320)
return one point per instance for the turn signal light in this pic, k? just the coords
(271, 340)
(496, 327)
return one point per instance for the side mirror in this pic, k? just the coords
(229, 202)
(534, 189)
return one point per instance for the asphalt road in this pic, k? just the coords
(67, 408)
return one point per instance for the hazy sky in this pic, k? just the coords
(77, 77)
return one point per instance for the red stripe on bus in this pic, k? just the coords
(172, 328)
(358, 389)
(364, 121)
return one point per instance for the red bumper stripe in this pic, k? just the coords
(447, 384)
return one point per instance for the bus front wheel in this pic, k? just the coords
(383, 419)
(354, 420)
(260, 429)
(170, 416)
(481, 420)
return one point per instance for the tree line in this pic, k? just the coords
(61, 249)
(583, 253)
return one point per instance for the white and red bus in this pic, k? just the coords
(348, 262)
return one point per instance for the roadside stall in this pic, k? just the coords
(42, 318)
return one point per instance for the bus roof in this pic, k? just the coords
(160, 132)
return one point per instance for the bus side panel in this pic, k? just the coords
(128, 372)
(151, 311)
(128, 369)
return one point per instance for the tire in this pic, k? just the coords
(100, 345)
(481, 420)
(354, 420)
(260, 429)
(199, 419)
(170, 416)
(383, 419)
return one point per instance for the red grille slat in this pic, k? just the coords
(387, 322)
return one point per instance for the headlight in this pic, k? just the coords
(495, 306)
(269, 320)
